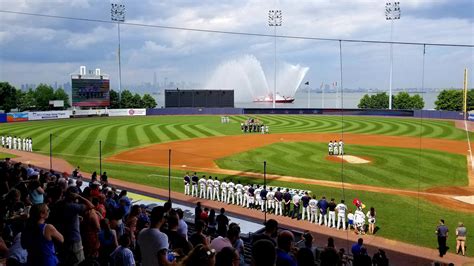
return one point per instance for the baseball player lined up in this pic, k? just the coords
(17, 143)
(280, 201)
(336, 148)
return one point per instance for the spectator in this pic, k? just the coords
(17, 255)
(228, 257)
(461, 239)
(143, 219)
(103, 178)
(212, 224)
(38, 237)
(285, 245)
(177, 243)
(307, 243)
(329, 255)
(122, 255)
(68, 218)
(362, 259)
(305, 257)
(234, 236)
(108, 241)
(200, 256)
(90, 228)
(205, 215)
(380, 259)
(35, 191)
(153, 243)
(222, 223)
(263, 253)
(131, 222)
(198, 237)
(182, 225)
(371, 219)
(271, 228)
(197, 212)
(442, 233)
(356, 247)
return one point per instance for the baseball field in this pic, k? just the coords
(408, 169)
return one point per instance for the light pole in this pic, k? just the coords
(117, 14)
(274, 20)
(392, 12)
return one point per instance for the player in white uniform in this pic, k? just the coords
(245, 197)
(262, 129)
(258, 199)
(341, 215)
(210, 188)
(335, 148)
(31, 144)
(267, 129)
(3, 141)
(224, 191)
(270, 199)
(230, 192)
(217, 185)
(239, 188)
(202, 187)
(341, 147)
(186, 180)
(313, 210)
(330, 148)
(14, 143)
(23, 146)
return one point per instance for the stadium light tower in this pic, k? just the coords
(117, 14)
(274, 20)
(392, 12)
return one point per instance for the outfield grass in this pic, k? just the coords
(406, 219)
(390, 167)
(6, 155)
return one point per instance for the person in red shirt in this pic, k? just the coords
(204, 216)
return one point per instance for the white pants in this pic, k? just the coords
(202, 192)
(332, 219)
(313, 215)
(224, 195)
(210, 195)
(341, 219)
(186, 189)
(231, 195)
(239, 198)
(258, 200)
(263, 203)
(216, 195)
(245, 199)
(323, 218)
(194, 190)
(270, 204)
(305, 210)
(278, 207)
(251, 200)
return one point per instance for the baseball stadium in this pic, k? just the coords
(203, 133)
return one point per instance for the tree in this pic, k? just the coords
(114, 99)
(417, 103)
(377, 101)
(8, 96)
(126, 100)
(43, 94)
(61, 95)
(402, 101)
(449, 100)
(27, 101)
(148, 101)
(137, 101)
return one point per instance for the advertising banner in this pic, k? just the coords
(49, 115)
(17, 117)
(126, 112)
(3, 118)
(91, 112)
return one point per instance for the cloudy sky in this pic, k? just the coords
(38, 49)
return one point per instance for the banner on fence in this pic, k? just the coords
(90, 112)
(17, 117)
(49, 115)
(126, 112)
(3, 118)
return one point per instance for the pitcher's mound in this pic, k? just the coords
(348, 159)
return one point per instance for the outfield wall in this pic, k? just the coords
(439, 114)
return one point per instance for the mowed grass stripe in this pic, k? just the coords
(110, 142)
(201, 130)
(67, 138)
(187, 131)
(42, 140)
(150, 133)
(89, 140)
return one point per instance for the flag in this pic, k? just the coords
(307, 83)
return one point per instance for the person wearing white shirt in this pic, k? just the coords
(3, 141)
(230, 192)
(245, 196)
(341, 215)
(202, 187)
(14, 143)
(217, 185)
(24, 145)
(341, 147)
(313, 210)
(359, 221)
(224, 191)
(296, 206)
(239, 189)
(270, 199)
(210, 187)
(258, 199)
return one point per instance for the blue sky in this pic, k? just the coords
(35, 49)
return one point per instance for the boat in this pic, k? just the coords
(278, 99)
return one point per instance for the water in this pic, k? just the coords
(246, 77)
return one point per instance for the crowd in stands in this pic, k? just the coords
(254, 125)
(17, 143)
(297, 204)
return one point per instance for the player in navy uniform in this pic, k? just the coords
(194, 182)
(187, 181)
(305, 201)
(323, 208)
(286, 203)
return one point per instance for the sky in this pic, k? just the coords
(44, 50)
